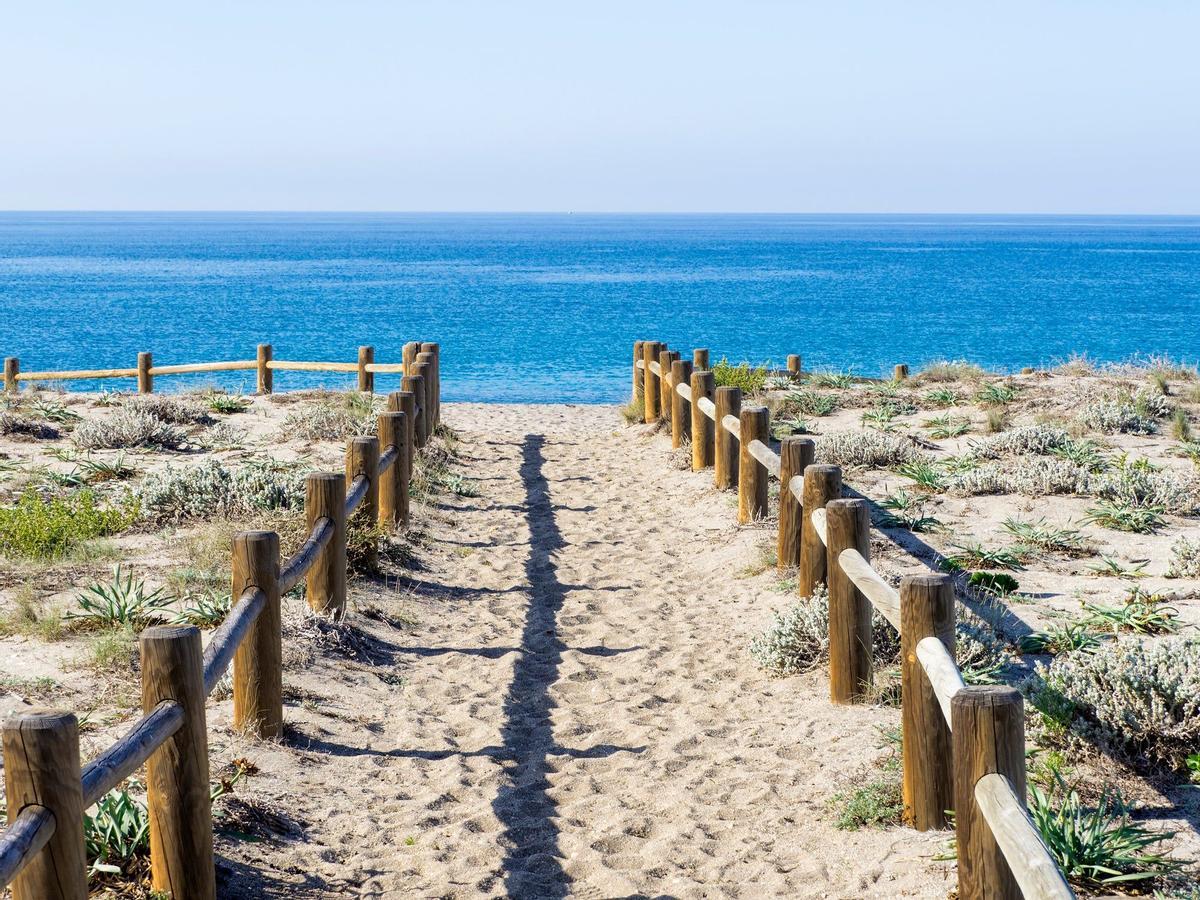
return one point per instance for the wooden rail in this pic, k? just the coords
(264, 364)
(963, 746)
(47, 789)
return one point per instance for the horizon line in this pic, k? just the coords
(588, 212)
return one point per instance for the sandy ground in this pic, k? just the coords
(577, 714)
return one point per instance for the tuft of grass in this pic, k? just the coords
(951, 370)
(116, 833)
(997, 420)
(943, 397)
(114, 652)
(810, 403)
(1084, 453)
(947, 426)
(1141, 613)
(1043, 536)
(634, 412)
(829, 379)
(226, 404)
(207, 610)
(1069, 638)
(874, 804)
(122, 601)
(1113, 567)
(974, 555)
(32, 617)
(906, 511)
(996, 394)
(745, 376)
(1181, 427)
(924, 472)
(1122, 515)
(48, 529)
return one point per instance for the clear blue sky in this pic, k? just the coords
(832, 106)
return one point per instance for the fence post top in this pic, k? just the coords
(821, 469)
(729, 389)
(363, 440)
(326, 477)
(847, 503)
(927, 580)
(798, 439)
(994, 695)
(40, 718)
(392, 414)
(170, 633)
(754, 410)
(256, 537)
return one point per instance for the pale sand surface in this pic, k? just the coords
(578, 715)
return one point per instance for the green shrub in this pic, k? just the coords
(211, 489)
(836, 380)
(1069, 638)
(810, 403)
(1134, 695)
(1121, 515)
(47, 529)
(120, 601)
(943, 397)
(116, 833)
(876, 803)
(996, 394)
(749, 378)
(1000, 583)
(226, 404)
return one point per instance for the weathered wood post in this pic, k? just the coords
(989, 736)
(752, 475)
(405, 402)
(926, 609)
(362, 460)
(795, 455)
(639, 377)
(726, 445)
(366, 379)
(822, 483)
(848, 527)
(415, 385)
(41, 768)
(700, 359)
(900, 372)
(325, 498)
(651, 350)
(435, 351)
(794, 365)
(424, 369)
(12, 368)
(703, 435)
(681, 409)
(266, 375)
(665, 358)
(393, 485)
(408, 355)
(258, 663)
(145, 381)
(177, 789)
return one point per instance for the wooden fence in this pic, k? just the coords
(963, 747)
(47, 790)
(265, 365)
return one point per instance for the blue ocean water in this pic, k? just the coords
(546, 307)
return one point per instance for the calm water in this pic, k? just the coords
(546, 307)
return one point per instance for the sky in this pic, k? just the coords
(1052, 106)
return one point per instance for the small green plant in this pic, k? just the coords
(876, 803)
(785, 427)
(1122, 515)
(206, 610)
(117, 832)
(974, 555)
(1111, 566)
(996, 394)
(943, 397)
(1181, 428)
(123, 601)
(52, 411)
(947, 426)
(924, 472)
(1084, 453)
(906, 511)
(1071, 637)
(1001, 584)
(1185, 559)
(634, 412)
(48, 529)
(745, 376)
(1141, 613)
(1193, 767)
(1097, 847)
(96, 471)
(226, 403)
(811, 403)
(827, 379)
(1044, 536)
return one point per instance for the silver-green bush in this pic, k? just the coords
(865, 449)
(1038, 439)
(1185, 559)
(128, 426)
(211, 489)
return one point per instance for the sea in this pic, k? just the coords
(546, 307)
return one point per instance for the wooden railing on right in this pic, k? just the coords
(47, 790)
(963, 747)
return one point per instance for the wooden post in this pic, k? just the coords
(848, 527)
(436, 390)
(639, 377)
(794, 365)
(181, 841)
(926, 609)
(405, 402)
(795, 455)
(366, 380)
(989, 736)
(266, 375)
(325, 497)
(362, 458)
(821, 484)
(41, 768)
(12, 368)
(703, 434)
(258, 663)
(408, 355)
(700, 359)
(900, 372)
(424, 368)
(393, 485)
(145, 380)
(415, 385)
(681, 409)
(665, 358)
(726, 445)
(651, 350)
(752, 475)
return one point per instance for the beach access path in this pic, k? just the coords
(574, 711)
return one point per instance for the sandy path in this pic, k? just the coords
(579, 715)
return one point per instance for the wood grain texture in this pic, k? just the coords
(881, 594)
(41, 769)
(926, 610)
(265, 378)
(681, 409)
(989, 736)
(795, 454)
(1033, 867)
(177, 790)
(393, 485)
(652, 392)
(435, 397)
(12, 368)
(128, 754)
(325, 498)
(415, 385)
(424, 370)
(848, 526)
(728, 447)
(405, 402)
(794, 365)
(145, 379)
(258, 662)
(639, 377)
(366, 378)
(700, 359)
(665, 357)
(703, 433)
(752, 474)
(822, 483)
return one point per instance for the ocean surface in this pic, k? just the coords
(539, 308)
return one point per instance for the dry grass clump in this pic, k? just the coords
(330, 421)
(174, 410)
(214, 489)
(1038, 439)
(128, 426)
(865, 449)
(12, 424)
(949, 370)
(1136, 696)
